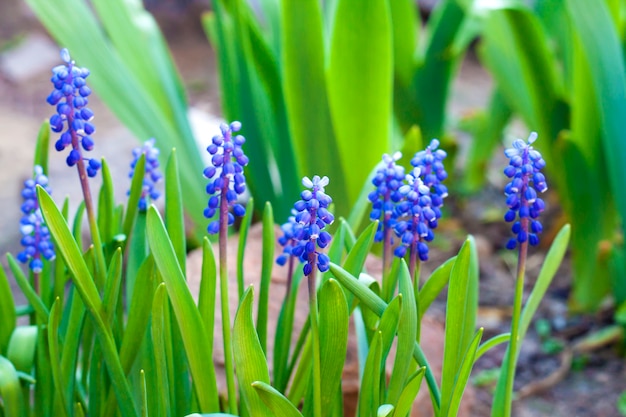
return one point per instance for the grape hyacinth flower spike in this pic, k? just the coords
(430, 163)
(72, 117)
(228, 161)
(388, 180)
(152, 175)
(35, 234)
(524, 170)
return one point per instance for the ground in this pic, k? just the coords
(593, 377)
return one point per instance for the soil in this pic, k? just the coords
(594, 375)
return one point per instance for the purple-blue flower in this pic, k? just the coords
(311, 218)
(152, 175)
(416, 217)
(388, 179)
(432, 171)
(524, 170)
(288, 239)
(225, 174)
(35, 234)
(72, 118)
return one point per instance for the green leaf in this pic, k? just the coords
(359, 289)
(491, 343)
(249, 358)
(174, 218)
(410, 391)
(158, 332)
(136, 188)
(208, 286)
(83, 280)
(460, 321)
(71, 347)
(333, 328)
(41, 149)
(361, 55)
(463, 375)
(55, 359)
(405, 31)
(353, 264)
(113, 285)
(433, 286)
(11, 390)
(106, 205)
(27, 290)
(22, 346)
(384, 410)
(276, 402)
(267, 263)
(369, 391)
(241, 248)
(192, 328)
(7, 312)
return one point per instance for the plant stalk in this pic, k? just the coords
(317, 375)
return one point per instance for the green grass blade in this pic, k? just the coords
(361, 55)
(461, 310)
(491, 343)
(27, 290)
(22, 346)
(77, 226)
(41, 149)
(267, 264)
(136, 188)
(8, 316)
(410, 391)
(106, 206)
(208, 286)
(389, 323)
(366, 296)
(241, 248)
(433, 286)
(463, 375)
(249, 358)
(71, 347)
(192, 328)
(11, 390)
(174, 217)
(333, 328)
(83, 279)
(369, 390)
(276, 402)
(55, 359)
(113, 285)
(158, 332)
(405, 31)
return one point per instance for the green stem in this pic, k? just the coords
(317, 373)
(226, 331)
(517, 312)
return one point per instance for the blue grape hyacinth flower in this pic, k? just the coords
(417, 217)
(225, 175)
(288, 240)
(152, 175)
(524, 205)
(35, 234)
(388, 180)
(312, 216)
(72, 118)
(430, 163)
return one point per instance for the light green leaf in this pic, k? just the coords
(55, 359)
(11, 390)
(369, 390)
(267, 264)
(174, 218)
(7, 312)
(21, 350)
(463, 375)
(158, 332)
(241, 247)
(410, 391)
(433, 286)
(279, 405)
(41, 149)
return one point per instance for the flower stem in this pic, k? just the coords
(515, 322)
(226, 331)
(317, 376)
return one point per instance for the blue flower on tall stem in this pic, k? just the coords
(432, 171)
(35, 234)
(70, 96)
(228, 161)
(152, 175)
(524, 170)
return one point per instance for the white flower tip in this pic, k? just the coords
(65, 55)
(324, 181)
(532, 137)
(306, 181)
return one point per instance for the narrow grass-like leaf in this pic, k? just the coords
(405, 31)
(113, 285)
(249, 358)
(22, 346)
(158, 332)
(71, 347)
(136, 188)
(407, 336)
(369, 390)
(267, 264)
(276, 402)
(11, 390)
(83, 280)
(491, 343)
(407, 397)
(106, 205)
(460, 320)
(333, 325)
(241, 248)
(433, 286)
(353, 264)
(7, 312)
(174, 218)
(361, 55)
(360, 290)
(55, 359)
(389, 322)
(41, 149)
(27, 290)
(192, 328)
(463, 375)
(208, 285)
(77, 227)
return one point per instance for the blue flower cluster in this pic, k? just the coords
(388, 179)
(227, 161)
(430, 163)
(152, 175)
(306, 230)
(70, 98)
(288, 239)
(35, 235)
(524, 170)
